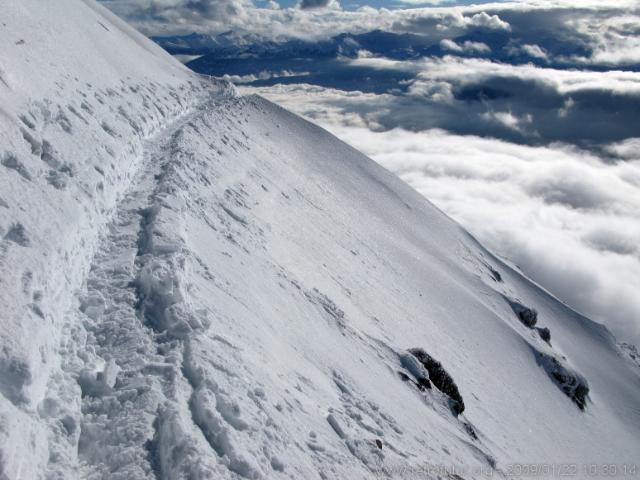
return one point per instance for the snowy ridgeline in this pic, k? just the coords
(198, 285)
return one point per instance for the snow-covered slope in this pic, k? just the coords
(200, 285)
(79, 92)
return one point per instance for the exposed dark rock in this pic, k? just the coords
(545, 334)
(494, 273)
(470, 430)
(440, 379)
(528, 316)
(631, 352)
(574, 385)
(424, 383)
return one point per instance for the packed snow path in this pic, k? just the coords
(115, 334)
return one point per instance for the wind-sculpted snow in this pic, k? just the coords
(199, 285)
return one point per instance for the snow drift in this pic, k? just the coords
(202, 285)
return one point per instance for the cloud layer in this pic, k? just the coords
(584, 32)
(520, 103)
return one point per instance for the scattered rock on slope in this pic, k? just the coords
(415, 367)
(574, 385)
(528, 316)
(631, 352)
(440, 378)
(545, 334)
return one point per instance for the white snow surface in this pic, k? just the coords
(200, 285)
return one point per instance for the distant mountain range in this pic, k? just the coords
(247, 45)
(243, 54)
(402, 64)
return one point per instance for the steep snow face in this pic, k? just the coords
(201, 285)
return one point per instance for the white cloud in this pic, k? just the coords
(614, 38)
(467, 46)
(531, 50)
(464, 69)
(569, 220)
(508, 119)
(521, 103)
(263, 75)
(610, 31)
(534, 51)
(628, 150)
(483, 19)
(309, 19)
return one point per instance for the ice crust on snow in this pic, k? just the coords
(200, 285)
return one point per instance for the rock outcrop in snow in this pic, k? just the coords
(200, 285)
(440, 379)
